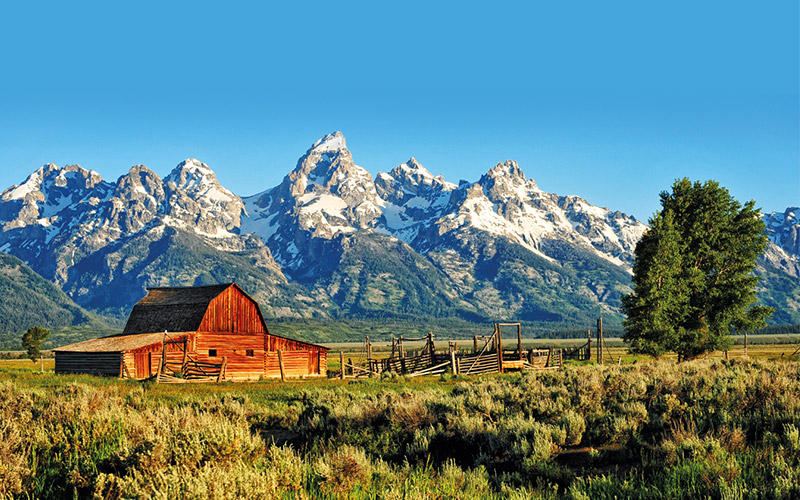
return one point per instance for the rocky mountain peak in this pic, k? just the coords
(46, 193)
(326, 165)
(508, 168)
(325, 195)
(412, 173)
(190, 172)
(197, 198)
(198, 181)
(140, 182)
(783, 250)
(506, 180)
(50, 175)
(330, 143)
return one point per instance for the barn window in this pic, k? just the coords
(250, 353)
(212, 353)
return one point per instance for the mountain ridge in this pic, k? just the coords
(333, 241)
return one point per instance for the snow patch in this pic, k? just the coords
(331, 143)
(32, 183)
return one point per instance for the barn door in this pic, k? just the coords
(313, 362)
(143, 364)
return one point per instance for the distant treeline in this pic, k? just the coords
(575, 333)
(778, 330)
(616, 332)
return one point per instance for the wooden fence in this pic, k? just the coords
(487, 358)
(189, 369)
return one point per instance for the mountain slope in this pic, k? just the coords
(30, 300)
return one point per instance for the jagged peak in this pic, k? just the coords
(140, 169)
(414, 173)
(508, 174)
(191, 172)
(31, 183)
(51, 171)
(508, 168)
(194, 165)
(199, 180)
(330, 143)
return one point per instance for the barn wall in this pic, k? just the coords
(282, 344)
(234, 347)
(174, 354)
(232, 311)
(128, 365)
(100, 363)
(323, 363)
(296, 364)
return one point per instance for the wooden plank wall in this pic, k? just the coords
(282, 344)
(129, 365)
(232, 311)
(296, 364)
(234, 347)
(323, 363)
(100, 363)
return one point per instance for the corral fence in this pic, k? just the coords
(487, 356)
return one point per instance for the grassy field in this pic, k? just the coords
(646, 429)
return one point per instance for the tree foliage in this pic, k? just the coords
(32, 341)
(692, 274)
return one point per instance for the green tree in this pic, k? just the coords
(32, 342)
(692, 275)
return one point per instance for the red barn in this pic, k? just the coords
(204, 330)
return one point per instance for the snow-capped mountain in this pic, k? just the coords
(324, 196)
(84, 233)
(331, 240)
(783, 252)
(310, 221)
(413, 199)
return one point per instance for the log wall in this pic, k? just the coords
(234, 347)
(96, 363)
(296, 364)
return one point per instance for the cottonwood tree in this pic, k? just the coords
(692, 274)
(32, 342)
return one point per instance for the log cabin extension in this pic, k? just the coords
(206, 324)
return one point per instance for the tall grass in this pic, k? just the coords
(704, 429)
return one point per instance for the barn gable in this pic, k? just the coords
(213, 308)
(233, 311)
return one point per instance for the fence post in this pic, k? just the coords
(588, 344)
(453, 362)
(222, 369)
(600, 341)
(499, 346)
(474, 344)
(341, 362)
(280, 365)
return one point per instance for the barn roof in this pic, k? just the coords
(119, 343)
(173, 309)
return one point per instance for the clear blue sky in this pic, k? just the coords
(608, 100)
